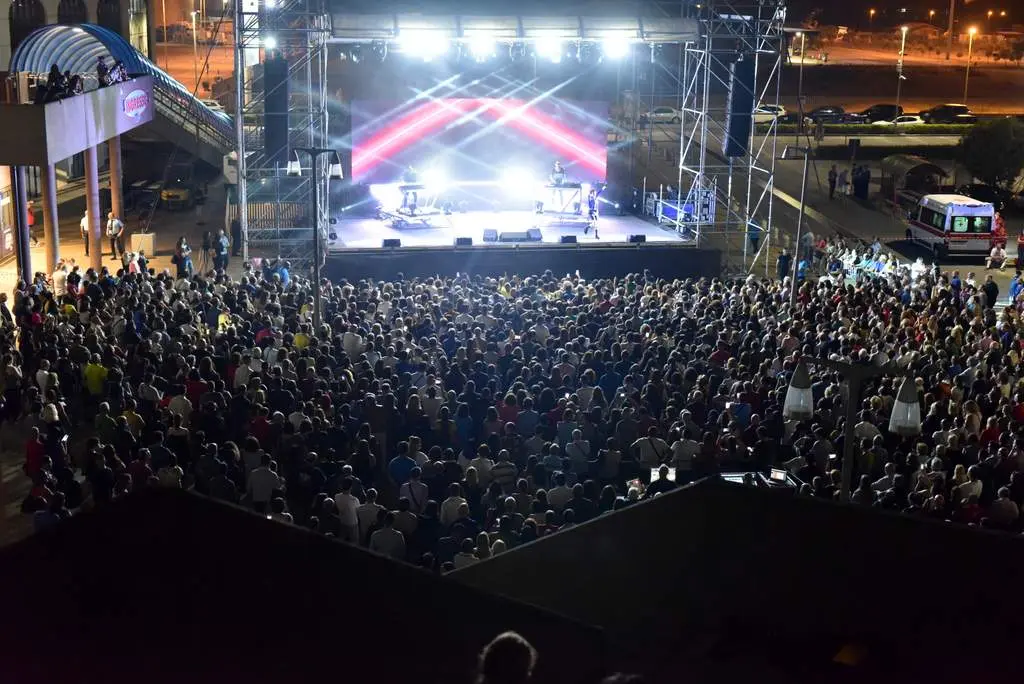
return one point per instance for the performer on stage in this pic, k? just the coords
(409, 195)
(556, 179)
(592, 212)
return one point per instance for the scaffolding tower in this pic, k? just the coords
(279, 217)
(728, 200)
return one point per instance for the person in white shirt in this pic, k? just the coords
(60, 280)
(996, 258)
(483, 464)
(884, 483)
(578, 452)
(560, 494)
(1003, 511)
(262, 483)
(651, 450)
(450, 506)
(415, 491)
(466, 555)
(416, 450)
(171, 474)
(180, 405)
(387, 540)
(348, 512)
(43, 376)
(367, 513)
(683, 451)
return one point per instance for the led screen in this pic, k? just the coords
(478, 139)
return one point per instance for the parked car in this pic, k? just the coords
(663, 115)
(881, 112)
(997, 197)
(905, 120)
(793, 118)
(828, 114)
(768, 113)
(949, 114)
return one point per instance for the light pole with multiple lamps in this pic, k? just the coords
(899, 66)
(905, 419)
(195, 51)
(800, 83)
(970, 50)
(790, 153)
(334, 171)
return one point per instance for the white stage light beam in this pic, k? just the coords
(422, 45)
(520, 183)
(270, 43)
(481, 47)
(435, 178)
(550, 49)
(615, 48)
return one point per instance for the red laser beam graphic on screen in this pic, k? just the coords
(518, 114)
(421, 121)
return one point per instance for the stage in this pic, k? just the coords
(356, 250)
(442, 231)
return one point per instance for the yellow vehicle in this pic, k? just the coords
(179, 192)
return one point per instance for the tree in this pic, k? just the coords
(993, 151)
(1017, 51)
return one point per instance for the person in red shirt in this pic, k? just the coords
(35, 452)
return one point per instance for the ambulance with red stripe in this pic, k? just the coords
(952, 225)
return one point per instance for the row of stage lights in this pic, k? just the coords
(483, 48)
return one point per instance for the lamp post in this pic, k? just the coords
(800, 84)
(294, 168)
(787, 154)
(949, 29)
(195, 52)
(931, 15)
(899, 66)
(905, 419)
(163, 10)
(970, 50)
(871, 18)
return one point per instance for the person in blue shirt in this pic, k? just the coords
(1016, 287)
(401, 465)
(610, 382)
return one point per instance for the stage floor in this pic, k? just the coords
(363, 233)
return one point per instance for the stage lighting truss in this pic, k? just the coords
(614, 48)
(481, 47)
(551, 49)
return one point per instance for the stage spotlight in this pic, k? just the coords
(550, 49)
(481, 48)
(422, 45)
(435, 178)
(615, 48)
(519, 182)
(269, 43)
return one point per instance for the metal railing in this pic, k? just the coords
(185, 115)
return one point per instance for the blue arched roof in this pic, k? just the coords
(76, 49)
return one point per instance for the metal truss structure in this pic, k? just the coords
(729, 199)
(279, 216)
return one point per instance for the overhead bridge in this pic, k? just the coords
(181, 118)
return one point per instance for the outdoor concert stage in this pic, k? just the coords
(358, 252)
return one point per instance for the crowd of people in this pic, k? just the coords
(443, 420)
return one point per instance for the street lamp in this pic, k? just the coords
(195, 51)
(970, 49)
(931, 15)
(800, 83)
(788, 153)
(334, 171)
(899, 65)
(163, 9)
(905, 419)
(871, 18)
(989, 15)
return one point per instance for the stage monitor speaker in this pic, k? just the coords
(568, 240)
(490, 235)
(275, 110)
(533, 235)
(391, 242)
(463, 242)
(740, 106)
(637, 238)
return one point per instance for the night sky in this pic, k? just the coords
(854, 13)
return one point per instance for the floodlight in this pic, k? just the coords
(334, 171)
(422, 44)
(519, 182)
(294, 167)
(481, 47)
(550, 49)
(615, 48)
(435, 178)
(270, 43)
